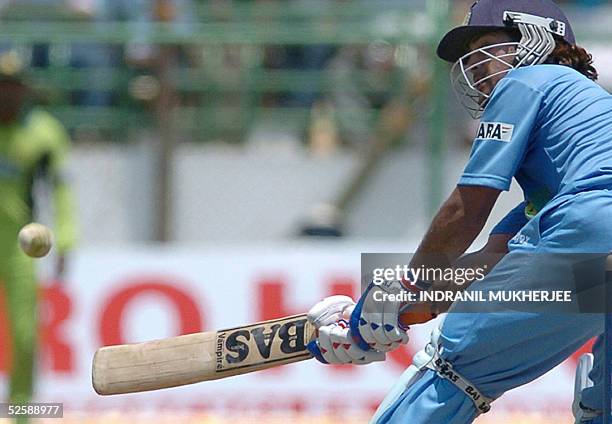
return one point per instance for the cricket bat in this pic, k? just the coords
(197, 357)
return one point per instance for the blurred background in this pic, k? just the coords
(229, 160)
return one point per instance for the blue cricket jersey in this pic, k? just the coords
(549, 127)
(512, 222)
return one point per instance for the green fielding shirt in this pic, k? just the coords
(32, 148)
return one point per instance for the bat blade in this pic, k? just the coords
(192, 358)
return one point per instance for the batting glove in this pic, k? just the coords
(374, 322)
(335, 343)
(331, 310)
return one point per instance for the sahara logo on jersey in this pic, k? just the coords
(495, 131)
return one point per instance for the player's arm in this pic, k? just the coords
(495, 249)
(497, 242)
(497, 153)
(381, 326)
(455, 227)
(335, 343)
(484, 259)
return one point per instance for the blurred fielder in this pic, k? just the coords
(545, 123)
(33, 147)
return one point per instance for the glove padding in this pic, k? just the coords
(375, 323)
(331, 310)
(334, 343)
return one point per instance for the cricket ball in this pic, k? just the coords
(35, 240)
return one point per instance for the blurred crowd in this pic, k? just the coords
(312, 64)
(352, 82)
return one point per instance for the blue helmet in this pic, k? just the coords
(540, 24)
(490, 15)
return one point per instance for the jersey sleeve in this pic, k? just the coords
(512, 222)
(503, 135)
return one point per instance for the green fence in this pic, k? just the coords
(216, 75)
(213, 76)
(217, 70)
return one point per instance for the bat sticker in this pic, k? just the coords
(261, 343)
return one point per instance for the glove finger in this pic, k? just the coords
(329, 310)
(392, 332)
(357, 354)
(364, 330)
(377, 331)
(339, 339)
(391, 344)
(377, 313)
(387, 337)
(325, 345)
(347, 345)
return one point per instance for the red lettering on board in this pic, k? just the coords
(111, 321)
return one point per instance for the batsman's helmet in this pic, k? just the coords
(539, 22)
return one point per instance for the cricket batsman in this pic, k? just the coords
(546, 123)
(33, 149)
